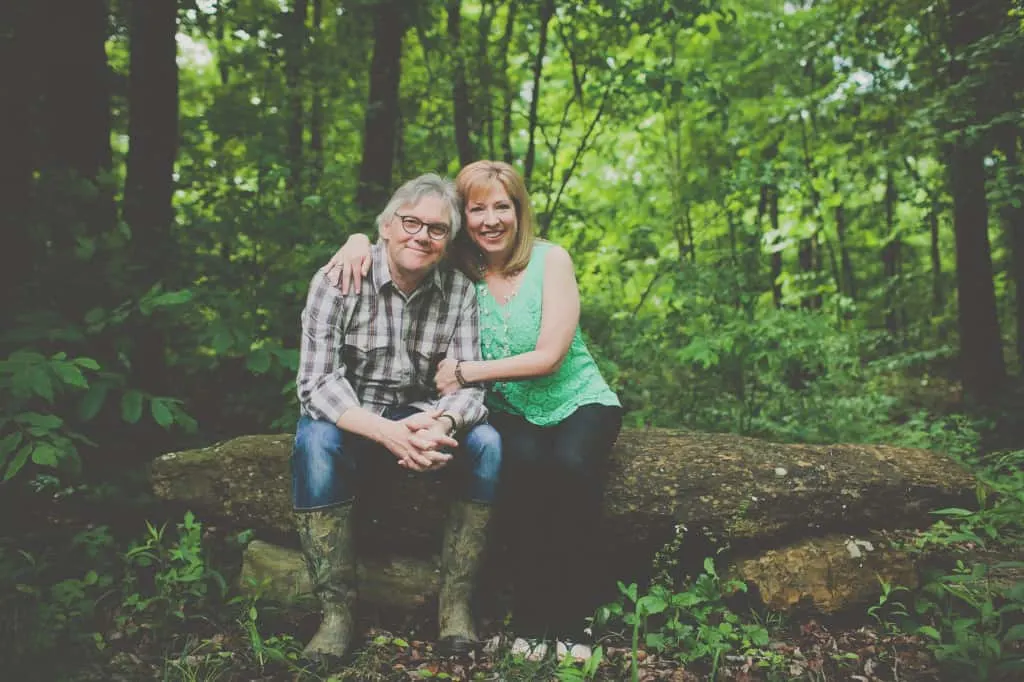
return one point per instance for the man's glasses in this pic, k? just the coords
(413, 225)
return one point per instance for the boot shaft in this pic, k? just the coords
(327, 546)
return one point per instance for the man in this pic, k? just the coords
(366, 387)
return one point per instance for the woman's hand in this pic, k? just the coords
(352, 257)
(445, 378)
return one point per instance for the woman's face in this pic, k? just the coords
(491, 220)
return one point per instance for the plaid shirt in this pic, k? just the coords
(381, 348)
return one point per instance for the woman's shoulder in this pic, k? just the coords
(553, 255)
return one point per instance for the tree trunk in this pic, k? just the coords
(19, 95)
(460, 90)
(153, 147)
(935, 255)
(316, 112)
(848, 279)
(776, 269)
(75, 194)
(484, 74)
(891, 258)
(220, 28)
(1013, 224)
(381, 125)
(506, 82)
(741, 492)
(807, 252)
(547, 11)
(295, 54)
(981, 353)
(808, 258)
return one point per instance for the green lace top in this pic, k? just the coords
(512, 329)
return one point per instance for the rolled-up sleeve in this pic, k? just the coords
(324, 391)
(467, 404)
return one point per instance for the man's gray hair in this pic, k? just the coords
(427, 185)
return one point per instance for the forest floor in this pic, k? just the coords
(82, 601)
(807, 650)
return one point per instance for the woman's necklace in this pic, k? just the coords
(507, 287)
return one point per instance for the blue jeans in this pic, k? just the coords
(327, 462)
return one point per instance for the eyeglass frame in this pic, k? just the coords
(420, 224)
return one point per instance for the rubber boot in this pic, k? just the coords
(465, 536)
(326, 537)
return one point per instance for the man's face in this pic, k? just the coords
(411, 256)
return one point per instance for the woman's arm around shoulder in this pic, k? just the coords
(350, 263)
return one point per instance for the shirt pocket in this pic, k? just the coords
(370, 364)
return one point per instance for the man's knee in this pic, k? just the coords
(318, 468)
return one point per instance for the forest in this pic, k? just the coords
(799, 221)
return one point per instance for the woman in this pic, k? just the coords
(557, 417)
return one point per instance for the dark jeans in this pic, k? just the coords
(552, 489)
(327, 462)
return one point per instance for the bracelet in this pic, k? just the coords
(458, 374)
(450, 418)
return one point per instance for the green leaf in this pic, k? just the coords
(954, 511)
(18, 462)
(9, 444)
(258, 361)
(184, 420)
(46, 422)
(38, 380)
(168, 298)
(45, 455)
(70, 374)
(161, 413)
(131, 406)
(92, 401)
(222, 341)
(26, 357)
(649, 605)
(87, 363)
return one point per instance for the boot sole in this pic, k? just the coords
(458, 646)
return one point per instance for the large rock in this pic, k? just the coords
(742, 493)
(827, 574)
(279, 574)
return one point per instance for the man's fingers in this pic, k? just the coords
(446, 441)
(436, 457)
(420, 460)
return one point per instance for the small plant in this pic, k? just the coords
(889, 612)
(974, 620)
(45, 607)
(692, 625)
(167, 583)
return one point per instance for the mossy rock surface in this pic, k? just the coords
(744, 493)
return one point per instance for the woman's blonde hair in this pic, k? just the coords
(484, 175)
